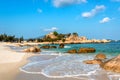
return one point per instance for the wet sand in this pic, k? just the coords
(26, 76)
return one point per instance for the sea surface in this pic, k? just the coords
(57, 63)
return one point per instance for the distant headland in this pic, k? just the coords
(54, 38)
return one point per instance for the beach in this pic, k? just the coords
(50, 65)
(10, 61)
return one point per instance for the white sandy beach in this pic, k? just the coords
(9, 56)
(10, 61)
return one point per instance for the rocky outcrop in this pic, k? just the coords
(72, 51)
(112, 64)
(100, 56)
(96, 61)
(53, 47)
(45, 47)
(86, 50)
(48, 47)
(26, 50)
(32, 49)
(61, 45)
(51, 35)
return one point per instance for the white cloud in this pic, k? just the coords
(94, 11)
(39, 10)
(105, 20)
(61, 3)
(51, 29)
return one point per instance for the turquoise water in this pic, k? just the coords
(112, 48)
(56, 63)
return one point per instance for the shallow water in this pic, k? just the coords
(57, 64)
(112, 48)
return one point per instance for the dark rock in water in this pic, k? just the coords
(72, 51)
(45, 47)
(53, 47)
(96, 61)
(112, 64)
(37, 49)
(32, 49)
(61, 45)
(100, 56)
(86, 50)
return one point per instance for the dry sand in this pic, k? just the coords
(10, 61)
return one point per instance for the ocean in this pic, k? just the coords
(57, 63)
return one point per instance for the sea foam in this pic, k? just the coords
(61, 66)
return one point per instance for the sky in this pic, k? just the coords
(95, 19)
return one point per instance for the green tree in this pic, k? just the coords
(68, 35)
(21, 39)
(63, 40)
(55, 33)
(75, 34)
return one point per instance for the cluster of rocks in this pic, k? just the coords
(99, 59)
(109, 65)
(32, 49)
(82, 50)
(112, 64)
(50, 47)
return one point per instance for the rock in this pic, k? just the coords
(32, 49)
(72, 51)
(100, 56)
(53, 47)
(26, 50)
(61, 45)
(37, 49)
(86, 50)
(112, 64)
(93, 61)
(45, 47)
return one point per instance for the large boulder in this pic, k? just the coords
(72, 51)
(32, 49)
(53, 47)
(27, 50)
(86, 50)
(100, 56)
(112, 64)
(61, 45)
(37, 49)
(45, 47)
(96, 61)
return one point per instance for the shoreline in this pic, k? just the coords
(10, 70)
(11, 61)
(48, 43)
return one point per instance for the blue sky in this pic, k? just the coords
(32, 18)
